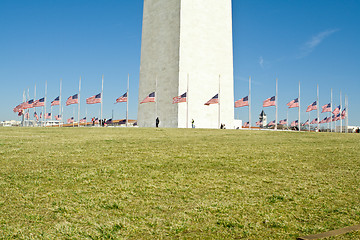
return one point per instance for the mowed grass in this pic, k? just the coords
(133, 183)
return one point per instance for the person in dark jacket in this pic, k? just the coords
(157, 122)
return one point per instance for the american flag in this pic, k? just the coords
(70, 120)
(56, 101)
(343, 114)
(328, 119)
(294, 103)
(258, 123)
(58, 117)
(40, 102)
(333, 118)
(269, 102)
(123, 98)
(315, 121)
(306, 123)
(336, 110)
(326, 108)
(283, 122)
(83, 120)
(48, 116)
(28, 104)
(213, 100)
(72, 100)
(27, 115)
(40, 115)
(311, 107)
(18, 108)
(324, 120)
(94, 99)
(150, 98)
(96, 120)
(272, 123)
(109, 121)
(246, 125)
(294, 123)
(36, 116)
(338, 117)
(180, 99)
(21, 112)
(242, 102)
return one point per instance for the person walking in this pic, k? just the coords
(157, 122)
(192, 123)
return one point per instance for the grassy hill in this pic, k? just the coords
(116, 183)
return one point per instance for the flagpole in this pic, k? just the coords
(28, 110)
(249, 102)
(156, 98)
(299, 109)
(34, 106)
(127, 102)
(276, 101)
(102, 97)
(347, 113)
(79, 102)
(341, 130)
(287, 118)
(45, 100)
(187, 102)
(60, 115)
(331, 125)
(219, 103)
(73, 122)
(309, 122)
(318, 108)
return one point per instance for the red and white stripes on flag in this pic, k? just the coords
(213, 100)
(311, 107)
(83, 120)
(315, 121)
(48, 116)
(72, 100)
(56, 101)
(94, 99)
(326, 108)
(150, 98)
(258, 123)
(294, 103)
(324, 120)
(36, 116)
(306, 123)
(70, 120)
(269, 102)
(283, 122)
(272, 123)
(294, 123)
(123, 98)
(246, 125)
(336, 110)
(58, 117)
(40, 102)
(28, 104)
(243, 102)
(180, 99)
(343, 114)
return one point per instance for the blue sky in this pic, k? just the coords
(314, 42)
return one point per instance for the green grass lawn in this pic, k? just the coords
(133, 183)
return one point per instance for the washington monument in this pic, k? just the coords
(186, 48)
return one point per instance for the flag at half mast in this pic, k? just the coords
(123, 98)
(56, 101)
(39, 103)
(213, 100)
(150, 98)
(243, 102)
(336, 110)
(283, 122)
(94, 99)
(180, 99)
(58, 117)
(294, 103)
(315, 121)
(326, 108)
(72, 100)
(311, 107)
(269, 102)
(294, 123)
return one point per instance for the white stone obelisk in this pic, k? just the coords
(181, 38)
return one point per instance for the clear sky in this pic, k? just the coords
(314, 42)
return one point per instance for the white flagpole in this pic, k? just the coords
(156, 98)
(60, 115)
(341, 130)
(45, 102)
(276, 101)
(102, 99)
(127, 102)
(309, 122)
(28, 110)
(187, 101)
(79, 102)
(250, 102)
(299, 109)
(331, 106)
(73, 116)
(318, 108)
(287, 118)
(35, 107)
(347, 114)
(219, 103)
